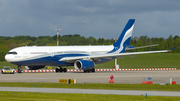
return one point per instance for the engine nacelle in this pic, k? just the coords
(83, 64)
(35, 67)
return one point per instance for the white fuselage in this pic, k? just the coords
(52, 54)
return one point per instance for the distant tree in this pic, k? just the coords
(177, 42)
(176, 37)
(7, 43)
(170, 41)
(162, 43)
(101, 41)
(3, 51)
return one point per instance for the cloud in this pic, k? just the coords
(97, 18)
(88, 10)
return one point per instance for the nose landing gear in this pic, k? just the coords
(19, 69)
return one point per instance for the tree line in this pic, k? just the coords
(8, 43)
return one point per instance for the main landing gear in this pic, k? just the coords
(89, 70)
(60, 69)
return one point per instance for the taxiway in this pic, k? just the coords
(92, 91)
(126, 77)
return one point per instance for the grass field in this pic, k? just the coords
(154, 87)
(28, 96)
(147, 61)
(160, 60)
(31, 96)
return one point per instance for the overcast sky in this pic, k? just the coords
(97, 18)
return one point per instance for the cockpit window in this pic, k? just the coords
(12, 53)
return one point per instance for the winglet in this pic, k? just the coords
(172, 48)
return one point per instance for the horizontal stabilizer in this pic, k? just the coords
(132, 55)
(173, 48)
(129, 48)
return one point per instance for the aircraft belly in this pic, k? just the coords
(62, 63)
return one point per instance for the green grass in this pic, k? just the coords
(32, 96)
(29, 96)
(165, 60)
(153, 87)
(4, 63)
(160, 60)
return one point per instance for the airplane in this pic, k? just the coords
(81, 57)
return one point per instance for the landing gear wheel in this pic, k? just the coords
(65, 70)
(19, 70)
(93, 70)
(61, 69)
(89, 70)
(57, 70)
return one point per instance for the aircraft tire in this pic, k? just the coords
(61, 69)
(65, 70)
(57, 70)
(93, 70)
(19, 71)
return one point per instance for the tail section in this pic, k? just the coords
(125, 37)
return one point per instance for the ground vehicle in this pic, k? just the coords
(7, 69)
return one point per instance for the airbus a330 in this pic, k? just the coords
(81, 57)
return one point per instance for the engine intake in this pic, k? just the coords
(83, 64)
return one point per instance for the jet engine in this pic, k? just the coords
(83, 64)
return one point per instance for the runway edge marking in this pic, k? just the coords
(100, 70)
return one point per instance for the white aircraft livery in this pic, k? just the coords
(81, 57)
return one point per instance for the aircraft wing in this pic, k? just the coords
(127, 48)
(108, 56)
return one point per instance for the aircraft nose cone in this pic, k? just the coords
(7, 58)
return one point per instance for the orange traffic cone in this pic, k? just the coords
(111, 81)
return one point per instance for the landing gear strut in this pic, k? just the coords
(60, 69)
(89, 70)
(19, 69)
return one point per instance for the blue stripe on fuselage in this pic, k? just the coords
(49, 60)
(54, 61)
